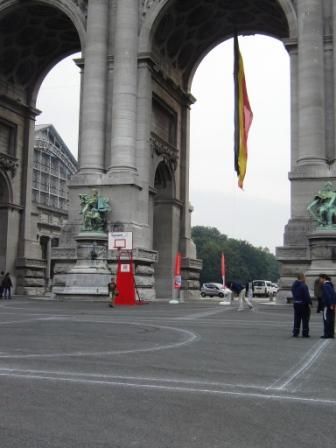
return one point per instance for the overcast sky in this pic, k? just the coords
(259, 213)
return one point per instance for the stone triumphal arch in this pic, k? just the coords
(138, 61)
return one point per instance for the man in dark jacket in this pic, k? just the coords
(239, 290)
(301, 303)
(6, 286)
(2, 276)
(318, 295)
(329, 302)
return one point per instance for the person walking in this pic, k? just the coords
(318, 295)
(329, 302)
(6, 286)
(2, 276)
(301, 305)
(113, 292)
(238, 289)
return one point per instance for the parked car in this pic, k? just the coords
(214, 289)
(275, 288)
(262, 288)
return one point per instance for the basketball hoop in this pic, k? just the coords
(120, 244)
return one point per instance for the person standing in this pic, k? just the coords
(2, 276)
(113, 292)
(318, 295)
(329, 302)
(6, 286)
(301, 304)
(238, 289)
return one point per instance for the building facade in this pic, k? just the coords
(139, 58)
(53, 166)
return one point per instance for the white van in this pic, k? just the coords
(262, 288)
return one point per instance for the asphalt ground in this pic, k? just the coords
(197, 375)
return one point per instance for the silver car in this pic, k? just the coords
(214, 289)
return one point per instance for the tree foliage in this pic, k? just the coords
(243, 261)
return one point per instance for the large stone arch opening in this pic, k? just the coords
(185, 31)
(258, 213)
(165, 221)
(180, 35)
(34, 37)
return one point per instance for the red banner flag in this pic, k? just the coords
(223, 268)
(243, 115)
(178, 278)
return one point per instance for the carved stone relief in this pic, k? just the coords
(164, 149)
(8, 163)
(82, 5)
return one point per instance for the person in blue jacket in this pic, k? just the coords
(301, 304)
(239, 290)
(328, 302)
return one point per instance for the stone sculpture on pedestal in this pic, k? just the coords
(323, 207)
(322, 240)
(93, 209)
(90, 274)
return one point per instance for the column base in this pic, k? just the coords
(30, 277)
(191, 270)
(86, 275)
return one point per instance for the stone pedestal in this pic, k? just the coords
(191, 269)
(322, 244)
(30, 276)
(77, 275)
(88, 277)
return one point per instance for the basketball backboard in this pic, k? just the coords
(120, 240)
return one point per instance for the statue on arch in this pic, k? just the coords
(93, 209)
(323, 207)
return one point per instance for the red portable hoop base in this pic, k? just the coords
(125, 280)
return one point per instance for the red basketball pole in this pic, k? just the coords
(125, 280)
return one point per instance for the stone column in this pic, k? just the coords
(124, 89)
(143, 155)
(94, 89)
(292, 50)
(311, 98)
(334, 47)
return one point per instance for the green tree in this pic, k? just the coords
(244, 262)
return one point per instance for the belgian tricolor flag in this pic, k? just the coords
(243, 115)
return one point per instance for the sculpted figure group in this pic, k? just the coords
(93, 209)
(323, 207)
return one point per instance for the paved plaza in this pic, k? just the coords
(196, 375)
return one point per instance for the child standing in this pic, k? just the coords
(113, 292)
(6, 286)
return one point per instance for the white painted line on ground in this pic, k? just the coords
(194, 316)
(23, 321)
(305, 363)
(190, 337)
(9, 371)
(173, 389)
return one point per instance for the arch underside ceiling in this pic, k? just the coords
(33, 37)
(163, 181)
(188, 29)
